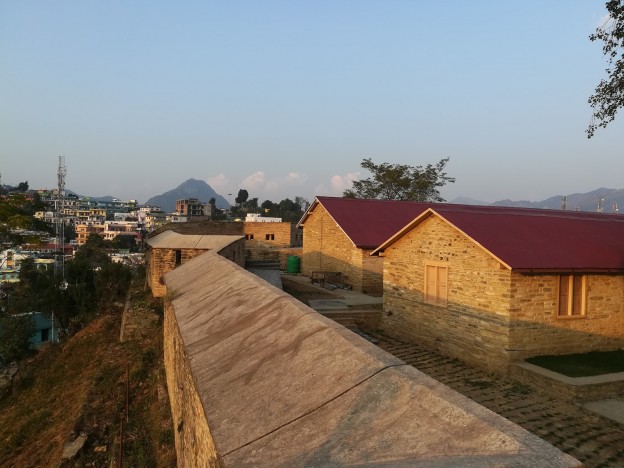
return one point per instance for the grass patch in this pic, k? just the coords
(584, 364)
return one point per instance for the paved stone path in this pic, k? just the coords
(592, 439)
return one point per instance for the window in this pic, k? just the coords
(436, 290)
(249, 236)
(178, 257)
(45, 334)
(572, 292)
(270, 237)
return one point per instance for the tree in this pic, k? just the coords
(401, 182)
(242, 197)
(609, 94)
(15, 333)
(302, 203)
(22, 186)
(267, 207)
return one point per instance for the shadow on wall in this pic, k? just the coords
(488, 340)
(363, 272)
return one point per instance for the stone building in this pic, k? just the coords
(339, 235)
(169, 249)
(272, 241)
(491, 285)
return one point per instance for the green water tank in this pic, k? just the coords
(293, 265)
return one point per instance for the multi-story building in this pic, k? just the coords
(192, 207)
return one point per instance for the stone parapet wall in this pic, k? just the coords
(162, 261)
(256, 378)
(193, 441)
(228, 228)
(235, 252)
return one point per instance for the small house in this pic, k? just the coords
(339, 235)
(170, 249)
(491, 285)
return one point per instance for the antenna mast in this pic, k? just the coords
(60, 211)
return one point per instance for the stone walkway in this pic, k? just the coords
(592, 439)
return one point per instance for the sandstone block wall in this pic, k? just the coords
(264, 240)
(193, 440)
(326, 247)
(537, 330)
(474, 325)
(162, 261)
(235, 252)
(493, 316)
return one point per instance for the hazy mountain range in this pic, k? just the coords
(610, 199)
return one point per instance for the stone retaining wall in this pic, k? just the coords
(256, 378)
(575, 389)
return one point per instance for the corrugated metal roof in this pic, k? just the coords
(368, 223)
(530, 239)
(174, 240)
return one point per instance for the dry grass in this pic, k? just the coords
(80, 386)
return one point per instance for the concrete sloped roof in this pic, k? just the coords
(283, 386)
(174, 240)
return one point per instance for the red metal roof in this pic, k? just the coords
(368, 223)
(527, 239)
(522, 238)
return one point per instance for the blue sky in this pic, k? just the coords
(285, 98)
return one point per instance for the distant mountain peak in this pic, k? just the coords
(190, 188)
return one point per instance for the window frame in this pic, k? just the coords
(438, 299)
(570, 307)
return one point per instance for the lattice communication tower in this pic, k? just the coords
(60, 211)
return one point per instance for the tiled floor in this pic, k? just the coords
(592, 439)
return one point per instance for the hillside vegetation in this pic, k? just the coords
(79, 387)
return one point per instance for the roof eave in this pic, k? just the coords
(567, 270)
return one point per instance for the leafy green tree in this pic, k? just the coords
(93, 251)
(15, 333)
(22, 186)
(401, 182)
(125, 241)
(608, 97)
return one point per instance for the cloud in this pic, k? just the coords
(337, 184)
(255, 181)
(259, 182)
(218, 182)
